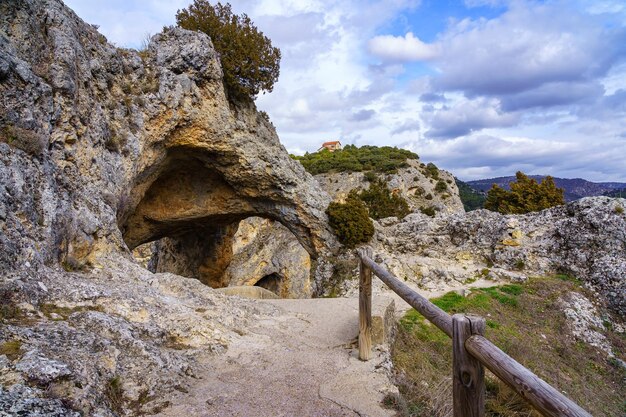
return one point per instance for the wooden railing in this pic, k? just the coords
(470, 351)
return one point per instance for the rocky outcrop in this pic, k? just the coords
(101, 150)
(585, 239)
(115, 341)
(271, 251)
(105, 148)
(414, 183)
(267, 254)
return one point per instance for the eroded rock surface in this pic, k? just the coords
(104, 147)
(585, 239)
(413, 183)
(114, 340)
(267, 254)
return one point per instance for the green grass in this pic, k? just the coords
(525, 321)
(54, 312)
(115, 394)
(12, 349)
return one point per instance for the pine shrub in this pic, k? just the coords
(350, 221)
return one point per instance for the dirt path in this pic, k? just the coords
(303, 362)
(300, 362)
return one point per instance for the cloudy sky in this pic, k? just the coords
(482, 88)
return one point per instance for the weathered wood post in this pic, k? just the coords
(365, 307)
(468, 374)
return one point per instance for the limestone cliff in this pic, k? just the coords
(101, 150)
(105, 148)
(585, 239)
(414, 183)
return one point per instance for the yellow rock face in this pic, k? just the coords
(463, 256)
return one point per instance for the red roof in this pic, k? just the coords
(331, 143)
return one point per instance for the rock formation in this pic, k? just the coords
(585, 239)
(101, 150)
(106, 147)
(266, 254)
(413, 183)
(266, 250)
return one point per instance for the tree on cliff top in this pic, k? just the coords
(249, 61)
(526, 195)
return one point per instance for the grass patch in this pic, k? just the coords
(526, 322)
(12, 349)
(115, 394)
(55, 312)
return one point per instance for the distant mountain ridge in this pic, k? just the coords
(575, 188)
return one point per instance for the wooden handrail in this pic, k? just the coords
(470, 351)
(434, 314)
(543, 396)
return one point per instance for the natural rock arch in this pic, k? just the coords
(194, 212)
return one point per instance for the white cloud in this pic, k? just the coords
(495, 156)
(402, 48)
(526, 48)
(467, 116)
(540, 87)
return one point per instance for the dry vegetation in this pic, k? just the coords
(527, 323)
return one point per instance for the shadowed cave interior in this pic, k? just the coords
(188, 217)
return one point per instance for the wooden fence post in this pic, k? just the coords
(468, 374)
(365, 308)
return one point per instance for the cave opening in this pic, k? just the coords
(187, 216)
(271, 282)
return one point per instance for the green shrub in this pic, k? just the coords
(441, 186)
(432, 171)
(249, 61)
(429, 211)
(428, 196)
(418, 192)
(383, 159)
(370, 176)
(526, 195)
(350, 221)
(383, 203)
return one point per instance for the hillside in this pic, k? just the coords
(425, 187)
(472, 199)
(104, 150)
(529, 321)
(384, 159)
(575, 188)
(619, 193)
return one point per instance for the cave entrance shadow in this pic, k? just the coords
(192, 213)
(271, 282)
